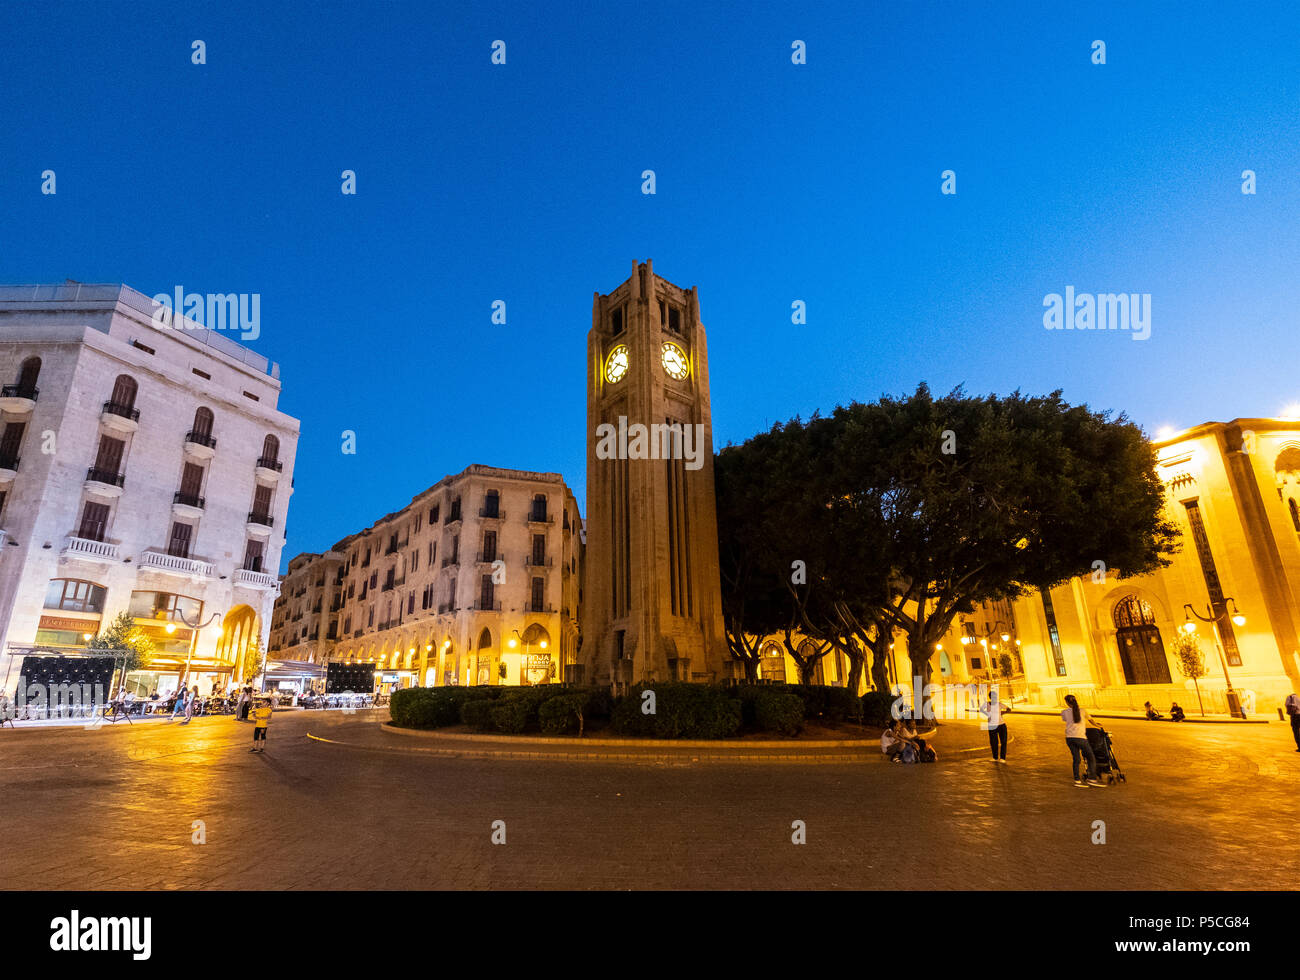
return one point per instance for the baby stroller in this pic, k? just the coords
(1107, 764)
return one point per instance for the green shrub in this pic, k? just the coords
(841, 705)
(563, 715)
(682, 710)
(433, 707)
(877, 709)
(477, 713)
(778, 710)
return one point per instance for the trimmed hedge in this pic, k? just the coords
(434, 707)
(778, 710)
(564, 715)
(877, 707)
(682, 710)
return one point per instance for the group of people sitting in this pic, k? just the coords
(1175, 712)
(900, 743)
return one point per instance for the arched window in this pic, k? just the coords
(74, 595)
(485, 639)
(1295, 514)
(124, 391)
(28, 373)
(271, 449)
(203, 422)
(1132, 611)
(771, 666)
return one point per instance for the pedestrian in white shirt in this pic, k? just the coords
(1077, 722)
(993, 710)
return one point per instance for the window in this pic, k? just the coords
(451, 596)
(139, 346)
(489, 545)
(108, 459)
(270, 449)
(772, 666)
(203, 422)
(492, 504)
(616, 321)
(27, 376)
(433, 514)
(455, 550)
(262, 501)
(202, 374)
(249, 394)
(191, 485)
(75, 595)
(179, 545)
(410, 603)
(539, 507)
(253, 555)
(94, 522)
(10, 443)
(1058, 656)
(165, 606)
(454, 514)
(1295, 514)
(124, 392)
(539, 594)
(539, 549)
(486, 593)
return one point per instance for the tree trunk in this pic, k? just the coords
(1198, 696)
(880, 659)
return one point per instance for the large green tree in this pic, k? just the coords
(913, 509)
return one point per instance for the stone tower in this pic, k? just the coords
(652, 608)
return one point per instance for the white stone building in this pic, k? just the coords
(143, 467)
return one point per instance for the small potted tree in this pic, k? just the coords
(1191, 662)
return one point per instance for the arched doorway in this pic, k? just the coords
(1141, 650)
(239, 639)
(536, 666)
(484, 658)
(771, 665)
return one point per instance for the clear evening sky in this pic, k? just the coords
(775, 183)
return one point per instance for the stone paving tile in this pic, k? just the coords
(1205, 807)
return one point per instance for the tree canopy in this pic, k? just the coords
(905, 512)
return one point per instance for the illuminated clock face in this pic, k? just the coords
(674, 361)
(616, 364)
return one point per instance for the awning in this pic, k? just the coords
(294, 668)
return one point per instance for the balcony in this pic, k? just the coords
(539, 517)
(187, 504)
(453, 560)
(200, 445)
(124, 418)
(268, 470)
(532, 561)
(452, 518)
(8, 468)
(255, 580)
(88, 550)
(447, 607)
(487, 513)
(259, 525)
(175, 565)
(538, 607)
(106, 483)
(488, 557)
(19, 399)
(489, 607)
(357, 634)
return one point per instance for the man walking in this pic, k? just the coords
(1293, 714)
(178, 706)
(992, 710)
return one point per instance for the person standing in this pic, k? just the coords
(1293, 715)
(1077, 722)
(191, 702)
(261, 721)
(178, 706)
(993, 710)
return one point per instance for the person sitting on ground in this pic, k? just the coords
(890, 742)
(925, 752)
(1152, 713)
(1176, 713)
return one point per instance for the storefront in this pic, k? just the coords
(293, 676)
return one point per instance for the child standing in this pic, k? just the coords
(261, 719)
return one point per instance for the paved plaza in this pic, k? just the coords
(1205, 806)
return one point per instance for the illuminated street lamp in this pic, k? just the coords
(1189, 626)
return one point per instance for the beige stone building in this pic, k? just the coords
(654, 609)
(477, 581)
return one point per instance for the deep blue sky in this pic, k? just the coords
(775, 183)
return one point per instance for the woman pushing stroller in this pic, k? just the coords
(1077, 722)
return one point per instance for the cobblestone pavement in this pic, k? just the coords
(1205, 806)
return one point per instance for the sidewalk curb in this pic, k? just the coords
(679, 759)
(716, 744)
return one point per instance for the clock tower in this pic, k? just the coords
(652, 608)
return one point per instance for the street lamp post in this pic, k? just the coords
(194, 639)
(1234, 700)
